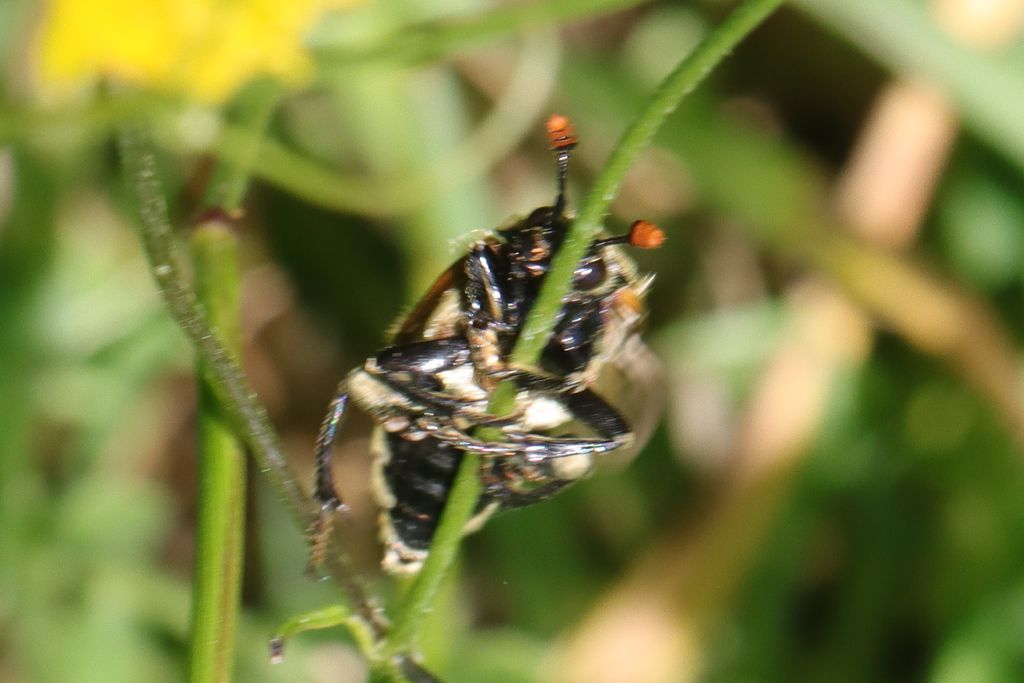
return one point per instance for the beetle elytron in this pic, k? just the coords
(430, 388)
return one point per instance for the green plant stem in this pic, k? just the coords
(435, 39)
(462, 500)
(220, 536)
(328, 617)
(97, 117)
(221, 522)
(683, 79)
(251, 113)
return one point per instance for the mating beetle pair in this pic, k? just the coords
(430, 388)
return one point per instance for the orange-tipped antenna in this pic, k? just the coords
(561, 139)
(646, 235)
(561, 135)
(642, 235)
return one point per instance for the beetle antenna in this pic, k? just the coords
(562, 140)
(642, 235)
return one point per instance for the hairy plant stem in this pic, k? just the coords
(241, 407)
(169, 270)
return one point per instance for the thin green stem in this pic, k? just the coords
(220, 537)
(97, 117)
(251, 112)
(327, 617)
(433, 40)
(219, 530)
(682, 81)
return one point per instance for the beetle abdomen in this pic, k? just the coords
(417, 476)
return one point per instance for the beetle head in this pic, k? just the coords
(537, 238)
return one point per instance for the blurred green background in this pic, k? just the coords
(836, 489)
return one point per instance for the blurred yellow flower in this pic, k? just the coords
(205, 49)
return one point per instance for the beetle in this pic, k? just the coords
(429, 389)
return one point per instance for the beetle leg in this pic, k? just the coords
(439, 406)
(420, 373)
(431, 401)
(485, 310)
(534, 447)
(583, 404)
(325, 494)
(510, 499)
(424, 359)
(484, 298)
(500, 482)
(425, 374)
